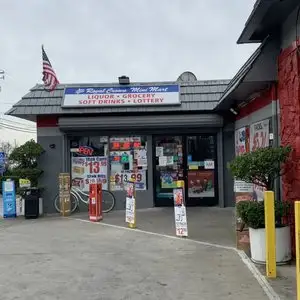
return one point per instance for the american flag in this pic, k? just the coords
(49, 76)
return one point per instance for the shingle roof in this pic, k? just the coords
(195, 96)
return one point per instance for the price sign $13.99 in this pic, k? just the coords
(121, 178)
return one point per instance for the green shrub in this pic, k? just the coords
(252, 213)
(261, 166)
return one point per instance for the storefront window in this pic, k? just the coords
(128, 161)
(89, 161)
(201, 166)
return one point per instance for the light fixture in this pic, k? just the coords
(124, 80)
(233, 111)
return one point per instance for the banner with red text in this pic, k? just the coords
(87, 170)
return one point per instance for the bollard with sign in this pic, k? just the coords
(64, 194)
(180, 210)
(95, 202)
(270, 234)
(9, 199)
(130, 214)
(297, 236)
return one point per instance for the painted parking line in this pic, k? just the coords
(262, 281)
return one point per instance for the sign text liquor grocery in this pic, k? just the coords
(122, 96)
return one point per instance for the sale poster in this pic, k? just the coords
(201, 183)
(119, 180)
(240, 141)
(180, 213)
(87, 170)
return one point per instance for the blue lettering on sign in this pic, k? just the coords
(123, 90)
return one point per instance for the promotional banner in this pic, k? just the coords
(9, 199)
(122, 96)
(259, 135)
(180, 213)
(86, 170)
(201, 183)
(240, 141)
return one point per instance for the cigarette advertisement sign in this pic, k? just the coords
(259, 135)
(87, 170)
(122, 96)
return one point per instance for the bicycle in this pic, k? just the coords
(77, 195)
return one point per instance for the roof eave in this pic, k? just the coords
(260, 9)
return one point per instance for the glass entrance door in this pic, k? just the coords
(201, 170)
(169, 167)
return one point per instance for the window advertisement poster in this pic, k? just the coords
(259, 135)
(259, 138)
(128, 162)
(201, 183)
(87, 170)
(240, 141)
(180, 213)
(168, 179)
(9, 199)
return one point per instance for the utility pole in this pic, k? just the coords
(1, 76)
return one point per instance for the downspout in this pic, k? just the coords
(276, 137)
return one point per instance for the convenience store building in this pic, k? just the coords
(155, 132)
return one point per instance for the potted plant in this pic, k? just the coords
(261, 168)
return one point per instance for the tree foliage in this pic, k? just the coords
(24, 161)
(261, 166)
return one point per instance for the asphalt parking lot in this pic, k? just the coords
(56, 258)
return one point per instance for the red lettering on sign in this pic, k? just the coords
(85, 150)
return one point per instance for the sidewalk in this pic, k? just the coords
(211, 225)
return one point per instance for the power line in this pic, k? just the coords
(14, 128)
(17, 123)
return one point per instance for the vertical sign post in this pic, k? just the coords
(180, 210)
(297, 235)
(2, 163)
(130, 214)
(64, 194)
(270, 234)
(9, 199)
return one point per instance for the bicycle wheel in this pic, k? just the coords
(74, 203)
(108, 201)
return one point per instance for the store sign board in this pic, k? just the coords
(122, 96)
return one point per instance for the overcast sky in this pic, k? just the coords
(99, 40)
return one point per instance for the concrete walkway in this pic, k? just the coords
(55, 258)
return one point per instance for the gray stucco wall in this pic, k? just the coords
(51, 162)
(228, 155)
(288, 30)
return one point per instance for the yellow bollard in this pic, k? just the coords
(133, 225)
(270, 234)
(297, 236)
